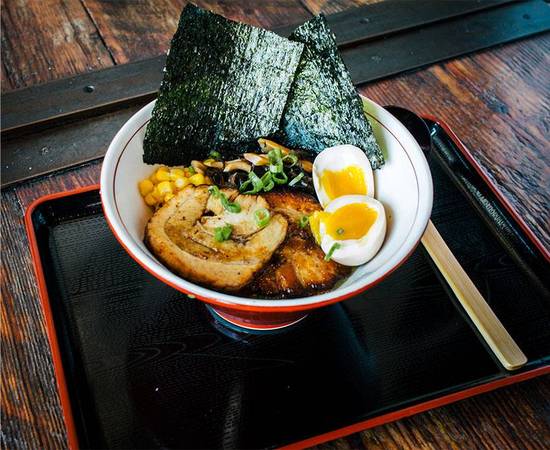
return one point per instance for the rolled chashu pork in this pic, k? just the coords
(181, 235)
(280, 260)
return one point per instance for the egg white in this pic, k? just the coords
(354, 252)
(337, 158)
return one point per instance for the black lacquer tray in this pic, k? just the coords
(140, 365)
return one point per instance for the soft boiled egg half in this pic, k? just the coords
(352, 227)
(342, 170)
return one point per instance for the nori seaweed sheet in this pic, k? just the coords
(225, 84)
(323, 108)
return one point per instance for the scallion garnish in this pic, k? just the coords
(275, 156)
(262, 216)
(228, 206)
(267, 181)
(275, 161)
(296, 179)
(279, 178)
(276, 168)
(292, 157)
(253, 180)
(304, 220)
(215, 155)
(274, 175)
(334, 247)
(191, 170)
(223, 233)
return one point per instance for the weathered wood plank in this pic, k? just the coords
(30, 411)
(512, 427)
(137, 30)
(31, 414)
(46, 40)
(62, 146)
(334, 6)
(6, 84)
(496, 103)
(91, 94)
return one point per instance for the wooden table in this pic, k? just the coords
(496, 100)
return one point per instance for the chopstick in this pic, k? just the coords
(493, 332)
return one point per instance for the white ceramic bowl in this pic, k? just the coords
(403, 185)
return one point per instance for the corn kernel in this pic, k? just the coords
(150, 200)
(157, 194)
(164, 187)
(145, 187)
(197, 179)
(180, 183)
(176, 173)
(168, 197)
(163, 174)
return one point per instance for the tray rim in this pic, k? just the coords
(60, 378)
(492, 186)
(51, 333)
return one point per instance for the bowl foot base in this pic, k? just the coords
(241, 324)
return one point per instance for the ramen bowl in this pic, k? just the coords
(403, 185)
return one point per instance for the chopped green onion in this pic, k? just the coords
(292, 157)
(262, 216)
(253, 180)
(334, 247)
(215, 155)
(223, 233)
(191, 170)
(244, 185)
(279, 178)
(340, 231)
(276, 168)
(275, 156)
(215, 191)
(267, 181)
(304, 220)
(229, 206)
(296, 179)
(275, 161)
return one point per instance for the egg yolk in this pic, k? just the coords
(347, 181)
(351, 221)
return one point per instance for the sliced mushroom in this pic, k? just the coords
(237, 164)
(237, 178)
(306, 165)
(198, 166)
(257, 160)
(266, 145)
(213, 163)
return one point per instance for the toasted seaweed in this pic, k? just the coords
(225, 84)
(323, 108)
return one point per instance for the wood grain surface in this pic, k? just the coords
(49, 39)
(137, 30)
(334, 6)
(495, 100)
